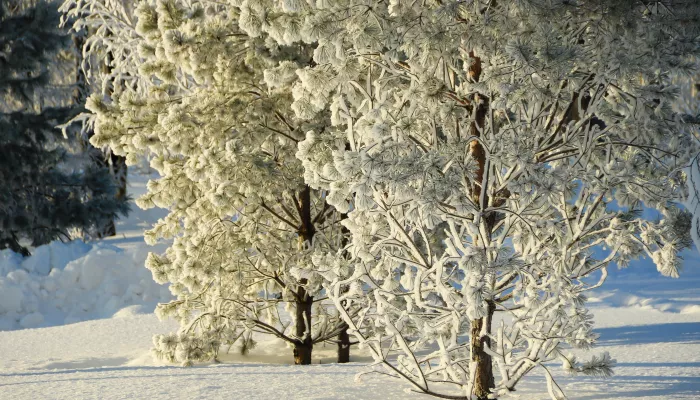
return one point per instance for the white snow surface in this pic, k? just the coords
(658, 356)
(649, 323)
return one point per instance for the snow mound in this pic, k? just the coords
(63, 283)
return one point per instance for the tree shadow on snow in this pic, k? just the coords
(82, 370)
(170, 371)
(668, 387)
(687, 332)
(660, 365)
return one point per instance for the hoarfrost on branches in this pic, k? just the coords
(208, 98)
(688, 106)
(495, 158)
(486, 157)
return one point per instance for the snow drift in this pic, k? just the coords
(63, 283)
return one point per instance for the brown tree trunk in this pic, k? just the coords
(302, 354)
(304, 345)
(481, 361)
(344, 346)
(483, 376)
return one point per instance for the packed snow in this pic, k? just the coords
(93, 306)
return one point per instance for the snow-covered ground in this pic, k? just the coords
(650, 324)
(658, 356)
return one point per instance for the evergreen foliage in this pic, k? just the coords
(485, 156)
(245, 226)
(493, 157)
(40, 198)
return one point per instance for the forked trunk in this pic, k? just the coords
(304, 344)
(483, 375)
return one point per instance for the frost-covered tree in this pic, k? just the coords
(210, 102)
(101, 158)
(94, 58)
(40, 197)
(689, 106)
(493, 158)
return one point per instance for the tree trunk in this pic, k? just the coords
(302, 353)
(304, 302)
(483, 376)
(116, 164)
(344, 346)
(343, 336)
(481, 361)
(119, 171)
(304, 345)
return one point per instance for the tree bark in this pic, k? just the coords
(118, 169)
(484, 381)
(343, 336)
(302, 354)
(304, 344)
(343, 346)
(481, 361)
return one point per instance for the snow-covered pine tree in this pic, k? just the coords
(39, 199)
(494, 157)
(211, 104)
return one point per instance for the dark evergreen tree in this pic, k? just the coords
(41, 199)
(102, 157)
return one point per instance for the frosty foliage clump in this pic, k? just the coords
(493, 157)
(210, 103)
(110, 41)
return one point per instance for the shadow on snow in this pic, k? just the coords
(687, 332)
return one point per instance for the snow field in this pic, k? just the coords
(658, 356)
